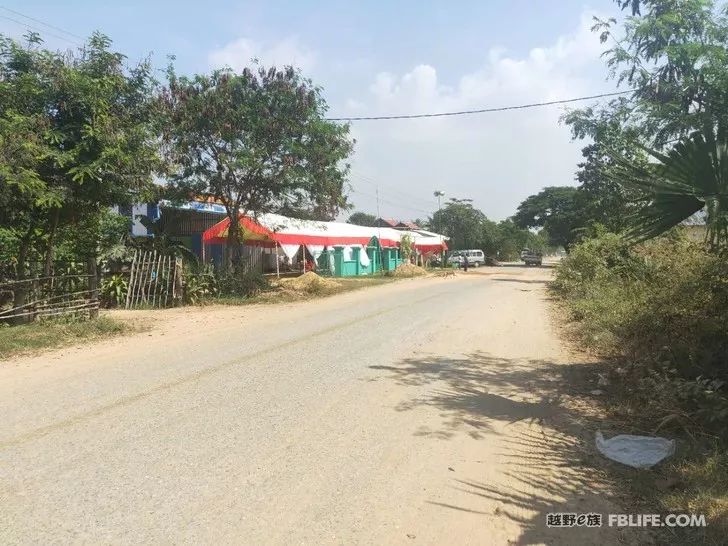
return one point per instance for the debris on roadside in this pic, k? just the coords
(308, 284)
(407, 269)
(635, 451)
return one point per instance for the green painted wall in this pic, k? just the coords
(380, 259)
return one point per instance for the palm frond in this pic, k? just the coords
(691, 177)
(661, 214)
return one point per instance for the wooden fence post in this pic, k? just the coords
(130, 286)
(93, 286)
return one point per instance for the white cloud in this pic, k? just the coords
(499, 158)
(239, 53)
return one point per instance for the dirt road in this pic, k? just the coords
(429, 411)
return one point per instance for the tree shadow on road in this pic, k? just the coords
(544, 423)
(519, 280)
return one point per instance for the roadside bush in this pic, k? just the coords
(241, 283)
(199, 284)
(661, 308)
(204, 283)
(603, 259)
(113, 291)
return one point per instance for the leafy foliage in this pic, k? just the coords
(75, 138)
(406, 247)
(674, 56)
(198, 285)
(256, 141)
(662, 307)
(468, 227)
(600, 198)
(362, 219)
(114, 290)
(461, 222)
(241, 283)
(555, 209)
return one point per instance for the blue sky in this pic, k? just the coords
(386, 58)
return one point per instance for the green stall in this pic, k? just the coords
(340, 262)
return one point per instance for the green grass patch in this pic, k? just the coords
(50, 334)
(693, 481)
(702, 488)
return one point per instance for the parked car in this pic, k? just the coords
(475, 258)
(532, 257)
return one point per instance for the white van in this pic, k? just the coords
(475, 257)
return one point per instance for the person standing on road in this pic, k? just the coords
(465, 263)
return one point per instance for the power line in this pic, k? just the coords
(41, 30)
(43, 23)
(44, 31)
(391, 203)
(481, 110)
(395, 193)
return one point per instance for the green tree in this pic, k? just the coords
(468, 227)
(674, 55)
(555, 209)
(600, 198)
(76, 136)
(512, 239)
(406, 247)
(258, 142)
(461, 222)
(362, 219)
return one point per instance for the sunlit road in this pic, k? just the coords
(418, 412)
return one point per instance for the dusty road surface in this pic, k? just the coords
(428, 411)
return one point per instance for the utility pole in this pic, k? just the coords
(379, 233)
(439, 194)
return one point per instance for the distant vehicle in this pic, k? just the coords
(475, 258)
(532, 257)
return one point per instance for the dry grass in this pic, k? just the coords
(406, 270)
(310, 283)
(703, 489)
(50, 334)
(307, 286)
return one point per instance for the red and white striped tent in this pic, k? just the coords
(290, 233)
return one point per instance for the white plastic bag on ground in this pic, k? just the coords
(635, 451)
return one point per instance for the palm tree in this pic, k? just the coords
(691, 177)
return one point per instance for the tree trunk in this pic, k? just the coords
(48, 265)
(93, 286)
(21, 290)
(233, 242)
